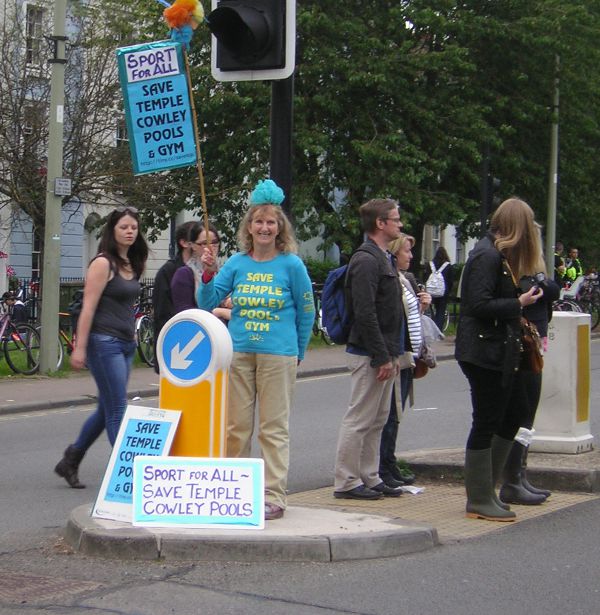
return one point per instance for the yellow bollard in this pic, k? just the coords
(194, 351)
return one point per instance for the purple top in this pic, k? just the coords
(183, 289)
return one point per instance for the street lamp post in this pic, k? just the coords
(553, 179)
(51, 259)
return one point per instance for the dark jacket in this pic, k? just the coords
(162, 301)
(374, 296)
(488, 333)
(540, 312)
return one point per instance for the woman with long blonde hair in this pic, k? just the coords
(271, 322)
(488, 348)
(515, 488)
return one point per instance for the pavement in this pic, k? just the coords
(315, 527)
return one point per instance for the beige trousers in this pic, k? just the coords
(269, 380)
(357, 458)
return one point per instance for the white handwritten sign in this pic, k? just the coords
(198, 492)
(150, 63)
(143, 431)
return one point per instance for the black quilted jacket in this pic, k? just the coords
(488, 332)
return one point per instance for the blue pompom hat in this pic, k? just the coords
(267, 192)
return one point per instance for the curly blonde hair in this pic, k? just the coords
(285, 240)
(518, 237)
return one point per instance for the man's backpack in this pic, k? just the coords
(435, 284)
(334, 315)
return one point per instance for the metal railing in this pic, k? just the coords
(28, 291)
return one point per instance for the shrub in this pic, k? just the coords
(318, 270)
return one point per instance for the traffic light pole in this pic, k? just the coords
(282, 113)
(51, 262)
(485, 191)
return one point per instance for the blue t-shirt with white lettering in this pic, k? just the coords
(273, 307)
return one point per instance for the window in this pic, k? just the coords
(435, 239)
(31, 119)
(33, 34)
(31, 133)
(35, 255)
(121, 135)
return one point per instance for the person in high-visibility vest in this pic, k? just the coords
(559, 263)
(573, 265)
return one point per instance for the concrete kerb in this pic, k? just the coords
(304, 534)
(557, 472)
(137, 391)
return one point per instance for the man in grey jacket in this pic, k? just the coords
(374, 299)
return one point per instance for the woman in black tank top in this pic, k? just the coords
(106, 331)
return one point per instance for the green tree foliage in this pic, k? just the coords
(401, 98)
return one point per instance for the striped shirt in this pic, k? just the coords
(413, 317)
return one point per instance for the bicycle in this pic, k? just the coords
(20, 344)
(566, 305)
(588, 298)
(318, 328)
(582, 296)
(430, 312)
(446, 321)
(65, 340)
(144, 326)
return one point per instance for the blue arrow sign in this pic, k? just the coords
(186, 350)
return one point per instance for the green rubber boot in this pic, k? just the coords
(500, 451)
(480, 488)
(514, 490)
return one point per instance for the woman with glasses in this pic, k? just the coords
(106, 331)
(186, 279)
(271, 324)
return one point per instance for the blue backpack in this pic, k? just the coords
(334, 315)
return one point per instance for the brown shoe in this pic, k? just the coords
(272, 511)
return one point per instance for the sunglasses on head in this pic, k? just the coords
(126, 208)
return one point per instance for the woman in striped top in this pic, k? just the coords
(415, 302)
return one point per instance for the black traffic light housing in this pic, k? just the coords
(250, 34)
(252, 40)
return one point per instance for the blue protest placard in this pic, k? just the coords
(143, 431)
(198, 492)
(157, 106)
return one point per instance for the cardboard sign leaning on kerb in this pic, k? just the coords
(198, 492)
(143, 431)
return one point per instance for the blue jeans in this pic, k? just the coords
(109, 359)
(387, 449)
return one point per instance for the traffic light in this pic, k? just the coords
(252, 39)
(493, 188)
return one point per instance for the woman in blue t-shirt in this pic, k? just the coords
(271, 322)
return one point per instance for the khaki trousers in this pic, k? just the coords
(269, 380)
(357, 457)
